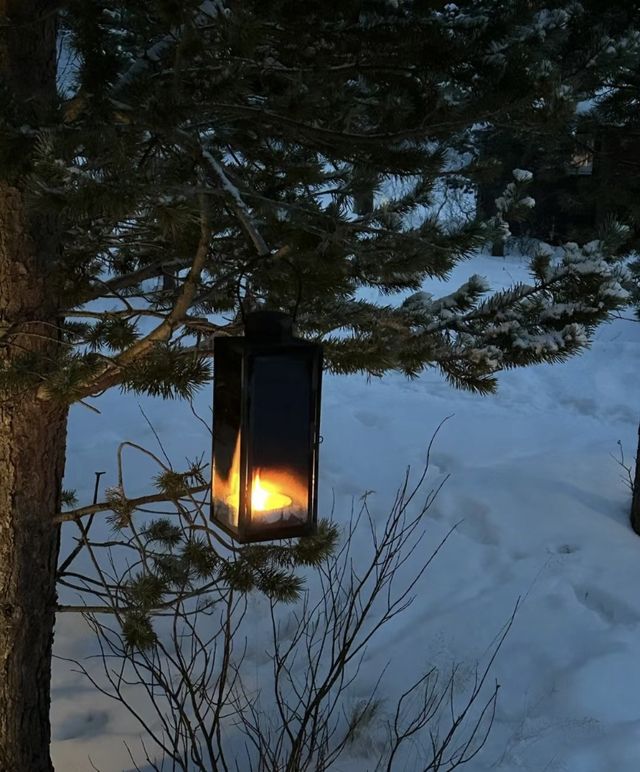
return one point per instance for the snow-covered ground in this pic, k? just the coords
(544, 517)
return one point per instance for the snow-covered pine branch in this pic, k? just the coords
(208, 11)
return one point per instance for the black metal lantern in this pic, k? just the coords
(266, 422)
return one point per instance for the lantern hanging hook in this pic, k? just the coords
(298, 274)
(240, 298)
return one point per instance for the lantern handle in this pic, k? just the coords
(268, 326)
(296, 269)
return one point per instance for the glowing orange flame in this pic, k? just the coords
(272, 490)
(265, 496)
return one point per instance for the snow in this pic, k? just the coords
(522, 175)
(543, 516)
(552, 341)
(242, 209)
(208, 10)
(512, 195)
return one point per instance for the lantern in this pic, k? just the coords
(266, 421)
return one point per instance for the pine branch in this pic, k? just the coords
(107, 506)
(239, 206)
(88, 609)
(111, 373)
(132, 279)
(207, 10)
(361, 138)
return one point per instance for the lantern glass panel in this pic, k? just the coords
(281, 425)
(228, 409)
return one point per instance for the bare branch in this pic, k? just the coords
(211, 710)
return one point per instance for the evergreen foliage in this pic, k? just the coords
(586, 164)
(179, 561)
(208, 157)
(300, 148)
(68, 498)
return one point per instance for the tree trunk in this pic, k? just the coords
(32, 431)
(635, 500)
(32, 445)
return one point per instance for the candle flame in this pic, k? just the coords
(265, 496)
(267, 492)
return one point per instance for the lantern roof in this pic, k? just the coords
(269, 326)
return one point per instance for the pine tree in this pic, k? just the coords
(198, 159)
(585, 164)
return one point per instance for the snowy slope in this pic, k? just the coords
(544, 518)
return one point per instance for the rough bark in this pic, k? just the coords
(635, 500)
(32, 443)
(32, 431)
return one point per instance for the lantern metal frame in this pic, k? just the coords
(268, 334)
